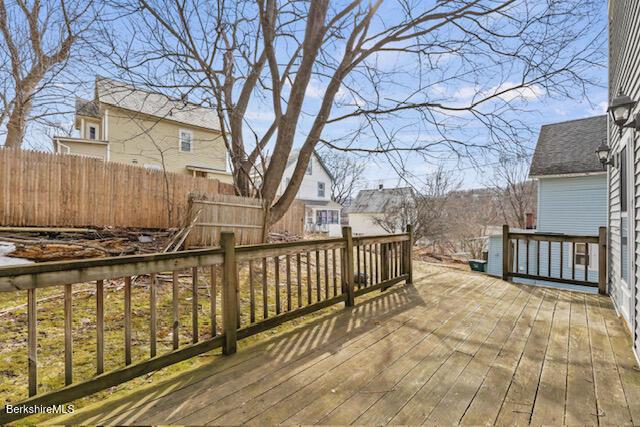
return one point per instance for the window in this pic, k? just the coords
(186, 141)
(327, 217)
(93, 131)
(321, 192)
(321, 217)
(309, 170)
(334, 217)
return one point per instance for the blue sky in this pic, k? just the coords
(534, 107)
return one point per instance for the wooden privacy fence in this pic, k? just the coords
(243, 290)
(555, 257)
(244, 216)
(44, 189)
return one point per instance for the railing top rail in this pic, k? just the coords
(555, 237)
(54, 273)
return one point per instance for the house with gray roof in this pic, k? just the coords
(132, 125)
(379, 211)
(572, 193)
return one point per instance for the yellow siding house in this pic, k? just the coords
(127, 125)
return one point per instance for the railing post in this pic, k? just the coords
(348, 259)
(229, 293)
(506, 249)
(602, 260)
(408, 262)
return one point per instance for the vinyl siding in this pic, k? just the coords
(568, 205)
(624, 73)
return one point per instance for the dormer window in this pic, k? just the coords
(186, 141)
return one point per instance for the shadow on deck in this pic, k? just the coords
(455, 348)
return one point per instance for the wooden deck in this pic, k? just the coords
(455, 348)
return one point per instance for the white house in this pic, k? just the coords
(321, 213)
(371, 207)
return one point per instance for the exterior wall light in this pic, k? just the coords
(620, 110)
(603, 154)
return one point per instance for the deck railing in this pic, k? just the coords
(551, 257)
(280, 282)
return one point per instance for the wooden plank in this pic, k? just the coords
(554, 237)
(335, 272)
(68, 335)
(550, 399)
(610, 397)
(348, 267)
(326, 274)
(153, 315)
(99, 327)
(555, 279)
(581, 400)
(506, 250)
(175, 299)
(318, 284)
(32, 341)
(309, 293)
(518, 404)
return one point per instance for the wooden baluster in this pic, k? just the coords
(276, 261)
(265, 289)
(68, 335)
(358, 267)
(561, 259)
(537, 257)
(299, 279)
(517, 255)
(32, 341)
(127, 320)
(99, 327)
(549, 258)
(175, 328)
(573, 260)
(377, 258)
(326, 274)
(586, 262)
(318, 284)
(288, 262)
(194, 304)
(526, 251)
(214, 301)
(252, 295)
(364, 277)
(153, 303)
(348, 267)
(335, 272)
(371, 281)
(238, 312)
(309, 293)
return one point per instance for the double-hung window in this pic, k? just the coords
(186, 140)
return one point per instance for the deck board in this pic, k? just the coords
(456, 347)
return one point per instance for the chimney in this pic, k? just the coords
(529, 221)
(380, 186)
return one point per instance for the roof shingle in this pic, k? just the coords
(378, 201)
(569, 147)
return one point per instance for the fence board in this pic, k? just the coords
(44, 189)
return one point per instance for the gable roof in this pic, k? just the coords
(128, 97)
(379, 200)
(84, 107)
(293, 157)
(569, 147)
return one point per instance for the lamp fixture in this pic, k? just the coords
(620, 109)
(603, 154)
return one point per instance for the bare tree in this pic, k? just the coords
(426, 209)
(38, 40)
(362, 64)
(515, 192)
(347, 172)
